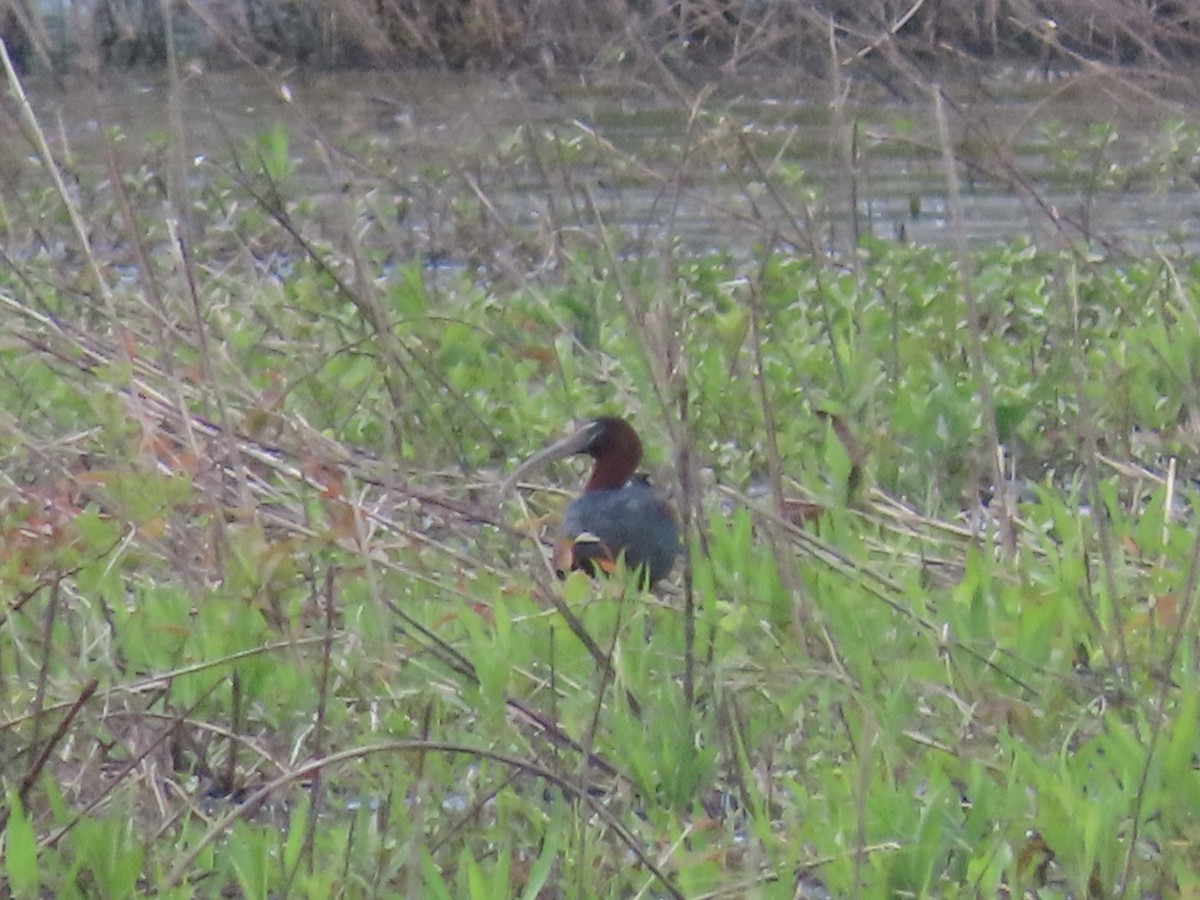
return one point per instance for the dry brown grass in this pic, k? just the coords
(712, 34)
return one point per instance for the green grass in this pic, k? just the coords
(272, 627)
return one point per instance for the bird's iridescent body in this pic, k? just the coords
(633, 519)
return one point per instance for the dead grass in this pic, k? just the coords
(570, 34)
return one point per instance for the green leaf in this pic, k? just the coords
(539, 872)
(20, 851)
(435, 884)
(408, 292)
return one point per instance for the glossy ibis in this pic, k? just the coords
(618, 513)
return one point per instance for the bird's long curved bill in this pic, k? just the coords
(568, 446)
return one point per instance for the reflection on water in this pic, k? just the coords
(638, 161)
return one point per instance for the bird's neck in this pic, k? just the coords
(610, 474)
(617, 453)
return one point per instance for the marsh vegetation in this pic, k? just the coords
(272, 627)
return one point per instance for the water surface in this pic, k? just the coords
(737, 171)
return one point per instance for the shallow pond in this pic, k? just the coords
(736, 170)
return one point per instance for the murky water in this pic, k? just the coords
(638, 160)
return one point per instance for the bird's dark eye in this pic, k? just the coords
(595, 433)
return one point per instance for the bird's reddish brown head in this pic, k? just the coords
(615, 447)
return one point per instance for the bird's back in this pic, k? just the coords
(634, 519)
